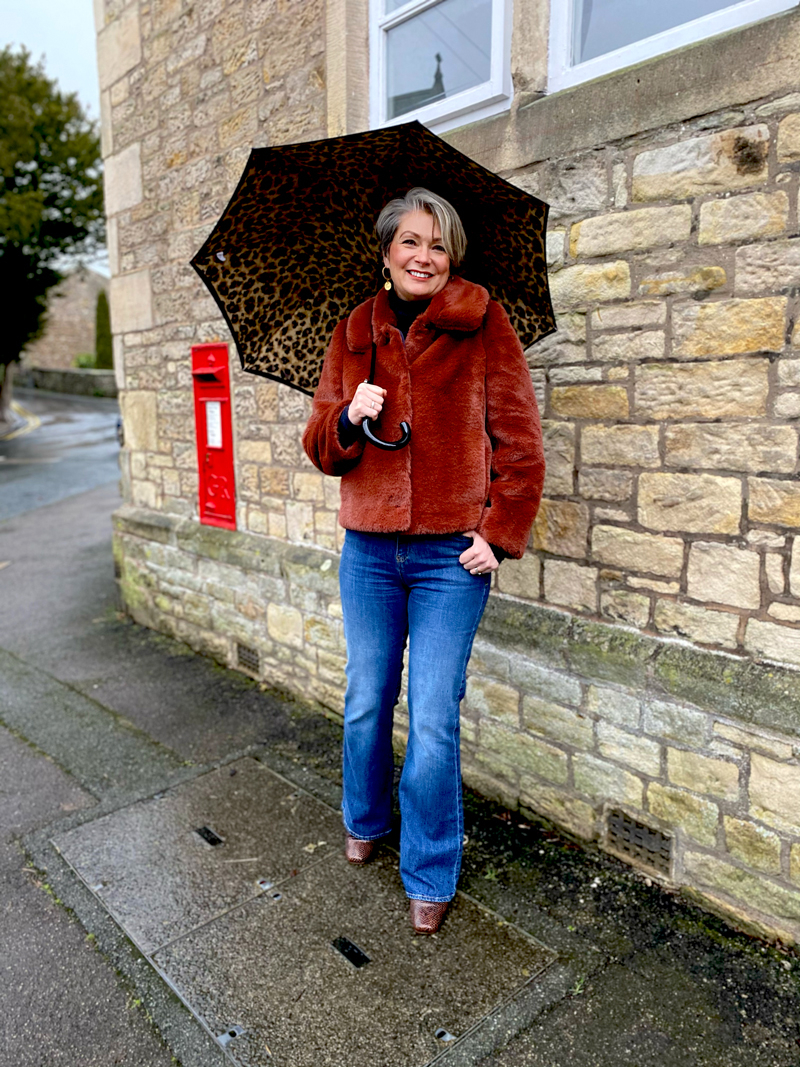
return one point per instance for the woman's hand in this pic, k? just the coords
(366, 403)
(478, 558)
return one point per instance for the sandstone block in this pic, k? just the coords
(743, 218)
(692, 280)
(749, 739)
(724, 574)
(653, 584)
(771, 641)
(541, 682)
(589, 401)
(119, 46)
(774, 501)
(676, 722)
(618, 547)
(731, 159)
(122, 179)
(774, 267)
(703, 774)
(559, 452)
(753, 845)
(629, 347)
(729, 327)
(775, 793)
(568, 375)
(694, 503)
(787, 406)
(789, 139)
(624, 606)
(640, 753)
(139, 411)
(524, 752)
(613, 705)
(783, 612)
(255, 451)
(697, 623)
(131, 302)
(604, 781)
(742, 447)
(589, 284)
(323, 633)
(570, 585)
(493, 698)
(594, 483)
(566, 345)
(794, 573)
(555, 247)
(680, 810)
(300, 521)
(559, 805)
(734, 388)
(561, 527)
(627, 231)
(789, 373)
(309, 486)
(623, 446)
(639, 313)
(556, 722)
(752, 889)
(794, 863)
(520, 577)
(285, 625)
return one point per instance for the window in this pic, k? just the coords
(438, 60)
(589, 38)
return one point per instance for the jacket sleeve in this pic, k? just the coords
(321, 439)
(512, 422)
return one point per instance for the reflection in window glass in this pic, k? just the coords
(604, 25)
(438, 53)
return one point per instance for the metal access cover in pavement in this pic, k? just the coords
(285, 952)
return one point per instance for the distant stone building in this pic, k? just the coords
(638, 670)
(70, 326)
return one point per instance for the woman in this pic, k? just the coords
(426, 526)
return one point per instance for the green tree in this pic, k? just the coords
(51, 199)
(104, 359)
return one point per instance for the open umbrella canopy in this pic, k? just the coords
(295, 249)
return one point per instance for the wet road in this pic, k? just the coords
(74, 449)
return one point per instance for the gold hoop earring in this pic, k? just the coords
(387, 285)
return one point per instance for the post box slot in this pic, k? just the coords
(204, 376)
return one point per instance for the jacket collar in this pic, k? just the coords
(460, 307)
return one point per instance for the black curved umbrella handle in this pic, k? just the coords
(390, 446)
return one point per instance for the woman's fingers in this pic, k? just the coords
(367, 403)
(478, 558)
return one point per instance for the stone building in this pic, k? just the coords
(638, 669)
(70, 325)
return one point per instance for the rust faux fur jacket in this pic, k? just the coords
(475, 459)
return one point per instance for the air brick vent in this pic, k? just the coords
(640, 844)
(248, 658)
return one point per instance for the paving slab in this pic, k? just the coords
(271, 968)
(258, 965)
(160, 878)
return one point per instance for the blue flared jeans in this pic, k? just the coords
(396, 587)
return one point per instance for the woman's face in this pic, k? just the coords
(417, 261)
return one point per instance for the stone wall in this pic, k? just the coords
(70, 324)
(643, 654)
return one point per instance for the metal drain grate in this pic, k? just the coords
(248, 658)
(639, 843)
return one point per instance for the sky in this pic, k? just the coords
(63, 32)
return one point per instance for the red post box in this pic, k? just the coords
(212, 416)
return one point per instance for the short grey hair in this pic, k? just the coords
(418, 199)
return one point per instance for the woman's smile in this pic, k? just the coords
(417, 261)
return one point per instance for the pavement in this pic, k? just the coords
(172, 888)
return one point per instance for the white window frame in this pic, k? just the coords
(563, 75)
(488, 98)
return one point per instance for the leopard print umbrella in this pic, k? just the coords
(295, 249)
